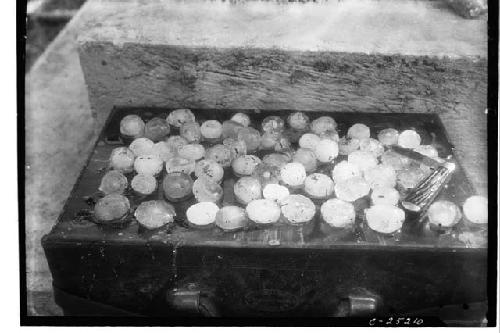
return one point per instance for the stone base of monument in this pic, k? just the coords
(376, 56)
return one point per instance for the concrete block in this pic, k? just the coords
(383, 56)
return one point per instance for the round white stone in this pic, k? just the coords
(476, 209)
(293, 174)
(275, 192)
(202, 213)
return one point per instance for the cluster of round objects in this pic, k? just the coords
(286, 171)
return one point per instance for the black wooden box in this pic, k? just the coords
(274, 272)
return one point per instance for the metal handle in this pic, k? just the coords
(358, 304)
(361, 306)
(191, 299)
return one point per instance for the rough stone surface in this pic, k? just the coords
(60, 133)
(368, 26)
(140, 74)
(274, 55)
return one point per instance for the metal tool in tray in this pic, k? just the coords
(421, 197)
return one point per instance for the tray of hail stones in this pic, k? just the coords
(277, 178)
